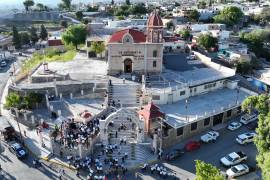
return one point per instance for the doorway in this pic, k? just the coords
(128, 66)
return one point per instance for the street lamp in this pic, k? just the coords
(186, 107)
(237, 95)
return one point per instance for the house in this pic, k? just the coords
(151, 116)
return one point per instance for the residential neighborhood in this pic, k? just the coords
(130, 89)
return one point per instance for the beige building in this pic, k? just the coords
(133, 51)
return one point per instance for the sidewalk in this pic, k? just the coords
(32, 140)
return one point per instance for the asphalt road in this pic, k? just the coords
(212, 152)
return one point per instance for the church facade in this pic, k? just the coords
(133, 51)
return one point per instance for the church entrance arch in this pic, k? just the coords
(126, 116)
(127, 65)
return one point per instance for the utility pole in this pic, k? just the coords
(19, 127)
(161, 135)
(186, 106)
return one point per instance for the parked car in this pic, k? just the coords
(175, 154)
(233, 158)
(17, 149)
(192, 145)
(247, 118)
(3, 63)
(234, 125)
(253, 125)
(237, 170)
(245, 138)
(211, 136)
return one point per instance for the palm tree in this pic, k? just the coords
(28, 3)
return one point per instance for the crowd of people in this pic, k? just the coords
(74, 133)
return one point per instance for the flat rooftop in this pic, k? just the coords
(192, 72)
(201, 106)
(181, 71)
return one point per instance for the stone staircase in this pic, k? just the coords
(128, 94)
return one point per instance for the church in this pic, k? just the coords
(133, 51)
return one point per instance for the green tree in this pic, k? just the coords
(264, 17)
(194, 16)
(128, 2)
(243, 67)
(170, 25)
(112, 2)
(13, 100)
(79, 15)
(43, 32)
(28, 3)
(122, 11)
(205, 171)
(97, 47)
(16, 40)
(66, 4)
(64, 23)
(75, 35)
(229, 16)
(207, 41)
(185, 34)
(40, 6)
(33, 35)
(138, 9)
(201, 5)
(25, 38)
(256, 41)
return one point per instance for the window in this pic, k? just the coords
(195, 89)
(182, 93)
(206, 121)
(190, 90)
(193, 126)
(179, 131)
(155, 53)
(229, 113)
(156, 97)
(154, 63)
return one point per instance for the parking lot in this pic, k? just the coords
(212, 152)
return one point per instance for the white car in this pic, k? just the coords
(3, 63)
(211, 136)
(247, 118)
(234, 125)
(233, 158)
(245, 138)
(237, 170)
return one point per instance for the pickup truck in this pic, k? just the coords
(211, 136)
(233, 158)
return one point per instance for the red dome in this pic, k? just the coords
(154, 20)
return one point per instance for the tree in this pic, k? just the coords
(229, 16)
(262, 140)
(16, 40)
(207, 171)
(207, 41)
(185, 34)
(201, 5)
(170, 25)
(64, 23)
(264, 17)
(128, 2)
(40, 6)
(97, 47)
(27, 4)
(25, 38)
(43, 32)
(138, 9)
(122, 11)
(112, 2)
(13, 100)
(33, 35)
(66, 4)
(75, 35)
(79, 15)
(243, 67)
(194, 15)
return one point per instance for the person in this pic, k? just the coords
(24, 132)
(124, 80)
(78, 173)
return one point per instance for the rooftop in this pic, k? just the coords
(198, 107)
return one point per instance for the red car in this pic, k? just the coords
(192, 145)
